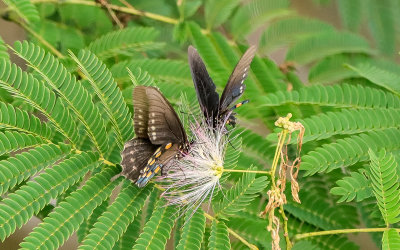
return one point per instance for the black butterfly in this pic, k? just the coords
(160, 136)
(215, 109)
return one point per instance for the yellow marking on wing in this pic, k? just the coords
(157, 169)
(148, 174)
(169, 145)
(158, 154)
(152, 162)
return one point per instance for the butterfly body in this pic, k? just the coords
(160, 136)
(219, 110)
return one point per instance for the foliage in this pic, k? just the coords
(65, 118)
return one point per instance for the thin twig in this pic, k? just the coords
(233, 233)
(129, 10)
(247, 171)
(343, 231)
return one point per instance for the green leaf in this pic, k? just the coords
(254, 14)
(379, 76)
(12, 118)
(357, 186)
(24, 8)
(325, 44)
(193, 230)
(3, 50)
(218, 11)
(300, 245)
(115, 220)
(219, 237)
(237, 198)
(348, 151)
(157, 230)
(29, 89)
(390, 240)
(88, 223)
(69, 89)
(338, 96)
(108, 93)
(350, 13)
(15, 170)
(11, 141)
(19, 207)
(69, 214)
(126, 42)
(381, 21)
(385, 184)
(290, 30)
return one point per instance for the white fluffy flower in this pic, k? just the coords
(190, 180)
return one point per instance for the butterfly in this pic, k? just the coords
(218, 110)
(160, 136)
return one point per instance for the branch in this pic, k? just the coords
(343, 231)
(234, 234)
(129, 10)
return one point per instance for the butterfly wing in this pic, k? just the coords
(164, 125)
(156, 162)
(134, 157)
(235, 87)
(141, 112)
(205, 87)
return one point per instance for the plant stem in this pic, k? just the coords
(285, 228)
(41, 40)
(342, 231)
(129, 10)
(247, 171)
(233, 233)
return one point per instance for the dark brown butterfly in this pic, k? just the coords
(215, 109)
(160, 136)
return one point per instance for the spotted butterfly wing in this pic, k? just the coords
(160, 135)
(235, 87)
(205, 88)
(213, 107)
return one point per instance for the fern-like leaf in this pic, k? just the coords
(333, 68)
(69, 89)
(390, 240)
(88, 223)
(378, 76)
(108, 92)
(385, 184)
(126, 42)
(3, 50)
(219, 237)
(35, 194)
(193, 230)
(350, 13)
(11, 141)
(16, 169)
(355, 187)
(25, 9)
(116, 219)
(340, 96)
(290, 30)
(237, 198)
(29, 89)
(326, 44)
(218, 11)
(157, 230)
(127, 240)
(12, 118)
(161, 69)
(348, 121)
(348, 151)
(254, 14)
(66, 218)
(382, 24)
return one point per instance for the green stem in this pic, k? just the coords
(233, 233)
(285, 228)
(247, 171)
(343, 231)
(129, 10)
